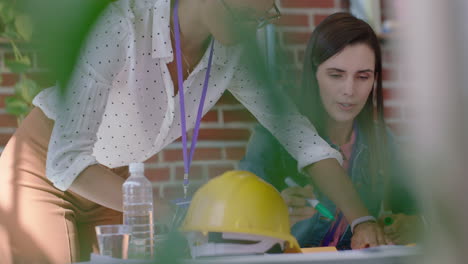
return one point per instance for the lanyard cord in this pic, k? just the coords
(331, 233)
(180, 78)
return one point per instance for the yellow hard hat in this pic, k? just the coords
(240, 202)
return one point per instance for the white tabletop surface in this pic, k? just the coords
(381, 255)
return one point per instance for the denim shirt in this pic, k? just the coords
(266, 158)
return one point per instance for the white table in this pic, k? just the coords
(380, 255)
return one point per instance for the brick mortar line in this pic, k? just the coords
(223, 153)
(220, 115)
(309, 10)
(295, 52)
(160, 156)
(295, 29)
(294, 47)
(33, 70)
(230, 125)
(7, 130)
(180, 163)
(209, 144)
(238, 106)
(301, 28)
(311, 22)
(7, 90)
(2, 61)
(172, 173)
(336, 3)
(162, 185)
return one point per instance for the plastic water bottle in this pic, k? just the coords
(138, 211)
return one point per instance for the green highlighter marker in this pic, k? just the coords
(313, 202)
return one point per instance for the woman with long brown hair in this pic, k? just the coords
(341, 94)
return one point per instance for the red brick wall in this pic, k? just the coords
(226, 128)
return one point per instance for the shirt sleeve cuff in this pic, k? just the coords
(62, 180)
(326, 153)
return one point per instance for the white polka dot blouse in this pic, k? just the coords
(120, 105)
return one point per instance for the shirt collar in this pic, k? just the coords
(161, 42)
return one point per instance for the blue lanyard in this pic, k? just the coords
(331, 233)
(180, 78)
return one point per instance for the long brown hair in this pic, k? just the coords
(330, 37)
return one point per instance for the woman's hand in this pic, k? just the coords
(405, 229)
(368, 234)
(295, 198)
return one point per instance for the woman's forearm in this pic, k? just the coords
(100, 185)
(333, 181)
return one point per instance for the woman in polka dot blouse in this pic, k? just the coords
(63, 169)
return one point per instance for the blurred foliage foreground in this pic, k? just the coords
(16, 33)
(51, 29)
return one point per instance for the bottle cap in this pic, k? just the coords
(136, 167)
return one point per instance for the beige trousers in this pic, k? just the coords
(39, 223)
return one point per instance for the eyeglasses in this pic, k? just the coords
(270, 15)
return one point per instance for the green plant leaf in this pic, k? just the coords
(10, 32)
(27, 89)
(18, 66)
(24, 27)
(7, 14)
(16, 106)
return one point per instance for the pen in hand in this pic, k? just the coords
(313, 202)
(388, 221)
